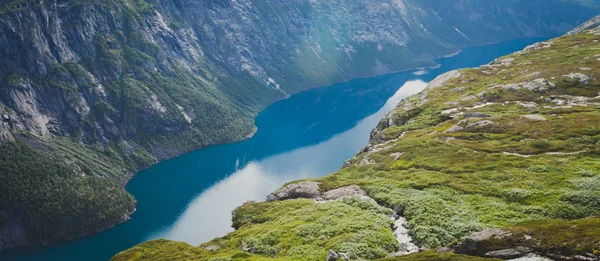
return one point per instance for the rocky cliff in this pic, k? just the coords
(91, 91)
(498, 162)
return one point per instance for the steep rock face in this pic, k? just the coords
(99, 89)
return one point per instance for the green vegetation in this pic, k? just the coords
(292, 230)
(433, 256)
(527, 161)
(551, 237)
(66, 201)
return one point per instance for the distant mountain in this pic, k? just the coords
(499, 162)
(591, 24)
(93, 90)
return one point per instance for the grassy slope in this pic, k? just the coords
(450, 183)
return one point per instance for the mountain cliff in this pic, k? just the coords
(498, 162)
(92, 91)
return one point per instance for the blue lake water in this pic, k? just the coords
(311, 134)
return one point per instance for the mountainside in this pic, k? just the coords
(92, 91)
(591, 24)
(489, 163)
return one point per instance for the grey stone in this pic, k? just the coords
(296, 190)
(344, 192)
(582, 78)
(510, 253)
(468, 245)
(332, 256)
(212, 248)
(479, 124)
(443, 78)
(399, 210)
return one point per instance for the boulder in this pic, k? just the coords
(344, 192)
(479, 124)
(297, 190)
(443, 78)
(510, 253)
(582, 78)
(470, 244)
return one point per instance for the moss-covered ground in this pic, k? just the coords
(535, 174)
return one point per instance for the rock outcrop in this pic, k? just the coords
(297, 190)
(311, 190)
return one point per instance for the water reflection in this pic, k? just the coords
(258, 179)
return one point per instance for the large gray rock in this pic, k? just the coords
(443, 79)
(297, 190)
(510, 253)
(344, 192)
(582, 78)
(470, 243)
